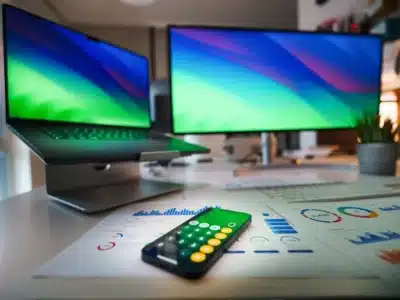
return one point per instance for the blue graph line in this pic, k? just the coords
(276, 221)
(300, 251)
(390, 208)
(170, 212)
(277, 228)
(266, 251)
(284, 231)
(234, 251)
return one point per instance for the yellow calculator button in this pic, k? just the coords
(214, 242)
(206, 249)
(220, 236)
(197, 257)
(226, 230)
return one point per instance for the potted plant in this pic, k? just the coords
(376, 148)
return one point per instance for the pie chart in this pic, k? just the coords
(289, 240)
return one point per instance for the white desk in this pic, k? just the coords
(34, 229)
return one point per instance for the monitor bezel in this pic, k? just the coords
(170, 27)
(10, 120)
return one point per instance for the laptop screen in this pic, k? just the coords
(56, 74)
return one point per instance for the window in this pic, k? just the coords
(388, 108)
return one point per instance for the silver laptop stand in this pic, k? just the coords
(98, 187)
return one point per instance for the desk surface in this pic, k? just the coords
(34, 229)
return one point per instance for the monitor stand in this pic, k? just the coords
(97, 187)
(268, 163)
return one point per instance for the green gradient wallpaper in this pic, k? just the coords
(59, 75)
(226, 80)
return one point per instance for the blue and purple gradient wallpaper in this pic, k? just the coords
(241, 80)
(60, 75)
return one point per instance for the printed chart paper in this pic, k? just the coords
(308, 240)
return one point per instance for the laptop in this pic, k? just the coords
(76, 99)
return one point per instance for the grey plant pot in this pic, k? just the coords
(377, 159)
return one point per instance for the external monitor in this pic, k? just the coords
(227, 80)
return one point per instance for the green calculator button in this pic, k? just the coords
(186, 227)
(197, 230)
(209, 233)
(215, 227)
(194, 246)
(182, 242)
(202, 239)
(190, 236)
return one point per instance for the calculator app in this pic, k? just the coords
(194, 242)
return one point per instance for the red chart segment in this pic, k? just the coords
(105, 247)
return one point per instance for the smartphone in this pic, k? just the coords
(193, 247)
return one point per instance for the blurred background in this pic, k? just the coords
(140, 25)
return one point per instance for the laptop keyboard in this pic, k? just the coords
(92, 133)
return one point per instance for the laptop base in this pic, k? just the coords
(93, 188)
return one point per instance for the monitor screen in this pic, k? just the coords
(56, 74)
(236, 80)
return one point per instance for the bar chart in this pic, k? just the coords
(171, 212)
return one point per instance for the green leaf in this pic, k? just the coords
(369, 129)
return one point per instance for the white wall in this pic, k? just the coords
(161, 44)
(260, 13)
(309, 16)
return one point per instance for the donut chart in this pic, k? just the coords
(358, 212)
(319, 215)
(289, 240)
(118, 235)
(106, 247)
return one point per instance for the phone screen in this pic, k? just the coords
(194, 243)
